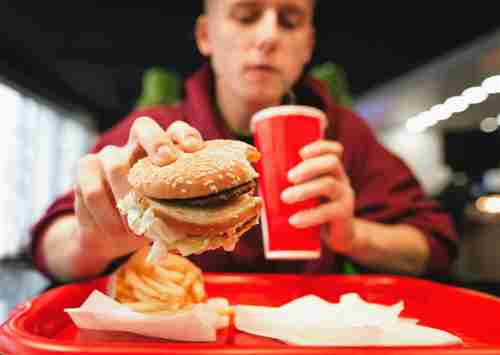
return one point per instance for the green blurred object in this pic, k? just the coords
(336, 80)
(349, 268)
(159, 87)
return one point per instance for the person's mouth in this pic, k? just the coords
(261, 71)
(263, 68)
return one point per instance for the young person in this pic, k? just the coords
(375, 211)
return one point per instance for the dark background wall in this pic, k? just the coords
(87, 54)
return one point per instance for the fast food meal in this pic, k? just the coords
(172, 285)
(202, 201)
(164, 300)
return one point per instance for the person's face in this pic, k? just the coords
(258, 48)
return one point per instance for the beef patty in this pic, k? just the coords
(217, 198)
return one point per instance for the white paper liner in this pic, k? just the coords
(310, 320)
(200, 324)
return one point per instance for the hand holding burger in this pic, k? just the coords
(101, 233)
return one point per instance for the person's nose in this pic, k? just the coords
(268, 32)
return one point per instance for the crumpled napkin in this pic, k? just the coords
(310, 320)
(101, 312)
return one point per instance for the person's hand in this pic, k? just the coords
(102, 180)
(321, 175)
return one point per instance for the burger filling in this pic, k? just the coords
(142, 221)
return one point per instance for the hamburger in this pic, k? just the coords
(202, 201)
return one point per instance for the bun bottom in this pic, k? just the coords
(227, 240)
(198, 244)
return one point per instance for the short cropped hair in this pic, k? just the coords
(206, 5)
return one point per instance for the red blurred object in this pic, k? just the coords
(42, 327)
(279, 134)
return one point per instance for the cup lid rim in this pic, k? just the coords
(285, 110)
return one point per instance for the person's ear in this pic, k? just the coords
(201, 33)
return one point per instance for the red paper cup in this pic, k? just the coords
(279, 134)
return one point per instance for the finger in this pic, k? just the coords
(115, 165)
(153, 139)
(318, 166)
(321, 147)
(325, 186)
(187, 137)
(319, 215)
(84, 217)
(97, 196)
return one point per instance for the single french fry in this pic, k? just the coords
(198, 291)
(124, 299)
(165, 288)
(171, 275)
(148, 306)
(122, 288)
(168, 275)
(176, 262)
(168, 302)
(124, 293)
(189, 279)
(190, 299)
(136, 282)
(144, 297)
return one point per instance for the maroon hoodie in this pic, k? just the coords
(386, 190)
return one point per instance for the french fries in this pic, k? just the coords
(173, 285)
(174, 276)
(167, 287)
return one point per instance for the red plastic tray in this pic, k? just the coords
(40, 326)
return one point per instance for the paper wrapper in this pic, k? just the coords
(200, 324)
(311, 320)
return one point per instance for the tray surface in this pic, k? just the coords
(40, 326)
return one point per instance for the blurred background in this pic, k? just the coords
(425, 79)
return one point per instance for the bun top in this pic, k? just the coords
(221, 164)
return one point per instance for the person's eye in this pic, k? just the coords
(246, 16)
(290, 20)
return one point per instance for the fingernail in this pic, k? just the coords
(303, 152)
(165, 154)
(192, 142)
(292, 175)
(286, 196)
(164, 151)
(294, 220)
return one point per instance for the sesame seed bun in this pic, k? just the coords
(218, 166)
